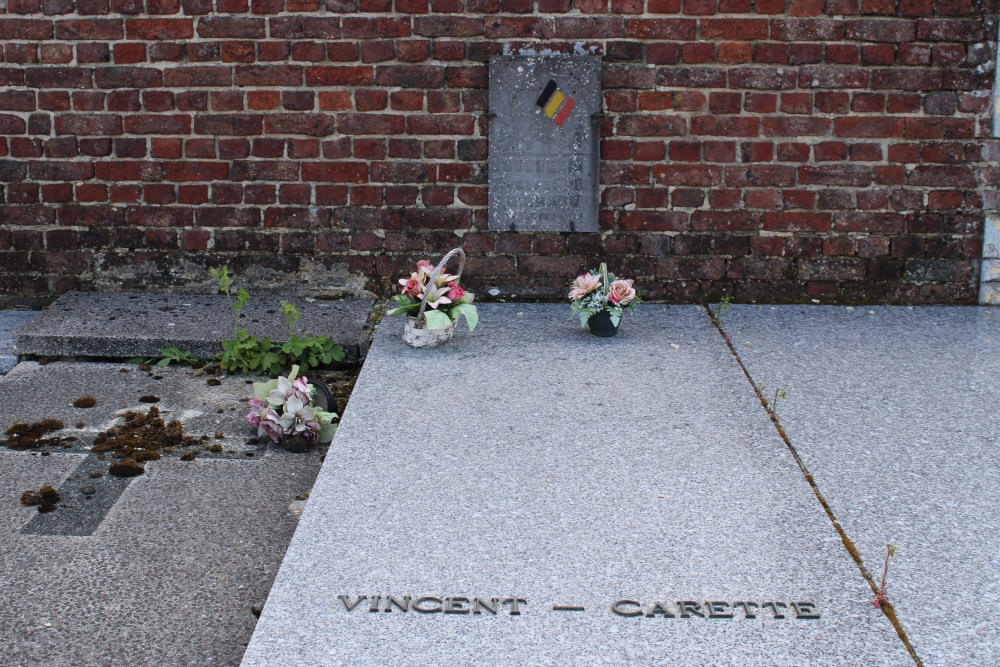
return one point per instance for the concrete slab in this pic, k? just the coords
(128, 324)
(560, 474)
(893, 412)
(11, 321)
(170, 573)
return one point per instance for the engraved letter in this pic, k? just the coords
(616, 608)
(689, 607)
(350, 606)
(774, 607)
(373, 602)
(658, 608)
(416, 606)
(514, 610)
(805, 610)
(746, 608)
(391, 602)
(456, 605)
(718, 609)
(478, 604)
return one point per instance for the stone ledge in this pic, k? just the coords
(133, 324)
(10, 321)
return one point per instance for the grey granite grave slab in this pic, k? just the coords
(127, 324)
(11, 321)
(893, 411)
(170, 575)
(544, 164)
(530, 461)
(35, 391)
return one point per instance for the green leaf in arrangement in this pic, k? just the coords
(436, 319)
(468, 311)
(616, 317)
(411, 308)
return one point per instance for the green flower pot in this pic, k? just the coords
(601, 325)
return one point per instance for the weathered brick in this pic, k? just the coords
(158, 29)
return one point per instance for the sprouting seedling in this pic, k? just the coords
(779, 393)
(291, 314)
(880, 597)
(225, 281)
(723, 307)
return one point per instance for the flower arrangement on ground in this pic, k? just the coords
(283, 408)
(446, 300)
(598, 291)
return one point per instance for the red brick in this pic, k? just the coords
(868, 127)
(797, 221)
(158, 29)
(726, 126)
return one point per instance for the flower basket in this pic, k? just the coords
(432, 301)
(416, 333)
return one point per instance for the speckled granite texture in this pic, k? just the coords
(171, 572)
(894, 411)
(532, 460)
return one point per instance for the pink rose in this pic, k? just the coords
(621, 292)
(412, 288)
(456, 292)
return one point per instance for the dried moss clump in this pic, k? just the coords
(139, 439)
(213, 382)
(32, 436)
(126, 468)
(149, 398)
(85, 402)
(46, 498)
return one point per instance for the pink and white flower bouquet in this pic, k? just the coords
(597, 291)
(446, 300)
(283, 408)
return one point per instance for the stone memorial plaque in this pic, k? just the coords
(544, 143)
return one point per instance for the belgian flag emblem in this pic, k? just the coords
(556, 104)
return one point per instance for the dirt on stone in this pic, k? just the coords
(142, 437)
(85, 402)
(46, 498)
(34, 436)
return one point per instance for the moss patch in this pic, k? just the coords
(45, 498)
(85, 402)
(126, 468)
(139, 439)
(34, 436)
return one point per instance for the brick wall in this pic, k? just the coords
(770, 149)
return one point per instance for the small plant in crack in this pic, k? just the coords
(721, 308)
(772, 405)
(779, 393)
(881, 598)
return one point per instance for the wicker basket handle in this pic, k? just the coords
(437, 272)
